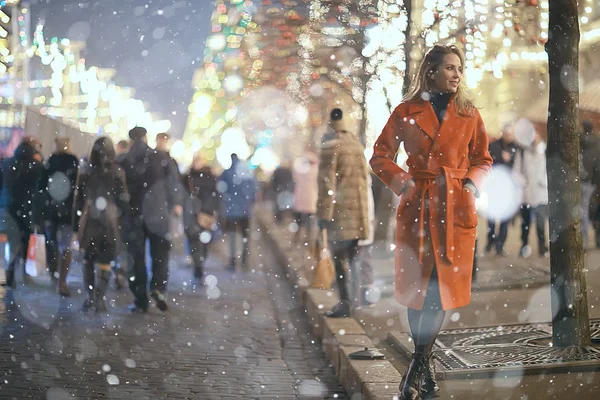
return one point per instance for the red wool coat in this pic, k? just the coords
(436, 220)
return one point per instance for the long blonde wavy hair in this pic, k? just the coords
(424, 83)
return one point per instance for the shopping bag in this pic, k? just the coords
(324, 271)
(35, 265)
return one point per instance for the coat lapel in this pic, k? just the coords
(424, 116)
(453, 125)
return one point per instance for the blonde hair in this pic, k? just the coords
(429, 66)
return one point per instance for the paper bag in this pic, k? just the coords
(324, 270)
(35, 265)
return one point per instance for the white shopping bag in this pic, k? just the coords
(35, 265)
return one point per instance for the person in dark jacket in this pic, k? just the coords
(20, 204)
(589, 144)
(282, 183)
(120, 265)
(121, 149)
(238, 188)
(503, 153)
(101, 201)
(162, 145)
(155, 192)
(200, 212)
(58, 186)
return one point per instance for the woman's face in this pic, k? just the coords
(447, 78)
(198, 163)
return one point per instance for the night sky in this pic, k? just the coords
(155, 45)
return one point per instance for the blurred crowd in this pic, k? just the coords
(524, 161)
(109, 205)
(122, 196)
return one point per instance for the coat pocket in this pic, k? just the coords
(464, 209)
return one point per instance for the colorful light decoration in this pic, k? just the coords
(107, 108)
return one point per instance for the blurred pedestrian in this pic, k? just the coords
(306, 191)
(155, 193)
(238, 189)
(530, 172)
(20, 205)
(121, 150)
(503, 153)
(342, 205)
(101, 202)
(448, 161)
(37, 146)
(200, 212)
(282, 183)
(594, 208)
(590, 154)
(163, 144)
(120, 265)
(58, 186)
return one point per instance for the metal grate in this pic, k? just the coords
(512, 346)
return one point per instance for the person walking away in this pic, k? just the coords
(530, 172)
(58, 186)
(342, 205)
(503, 153)
(101, 201)
(200, 212)
(590, 153)
(20, 205)
(283, 187)
(238, 190)
(155, 192)
(448, 161)
(306, 190)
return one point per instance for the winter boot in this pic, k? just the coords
(231, 265)
(430, 387)
(161, 300)
(103, 281)
(343, 309)
(88, 283)
(410, 386)
(65, 263)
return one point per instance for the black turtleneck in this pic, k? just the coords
(439, 102)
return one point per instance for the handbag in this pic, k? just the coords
(35, 265)
(324, 271)
(205, 220)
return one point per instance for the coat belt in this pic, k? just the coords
(429, 182)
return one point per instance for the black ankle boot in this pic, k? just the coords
(340, 310)
(410, 386)
(103, 280)
(89, 285)
(430, 386)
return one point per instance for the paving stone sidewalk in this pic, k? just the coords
(243, 337)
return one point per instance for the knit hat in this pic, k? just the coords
(137, 133)
(339, 123)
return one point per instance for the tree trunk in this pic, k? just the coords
(407, 47)
(570, 326)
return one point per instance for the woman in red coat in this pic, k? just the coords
(448, 160)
